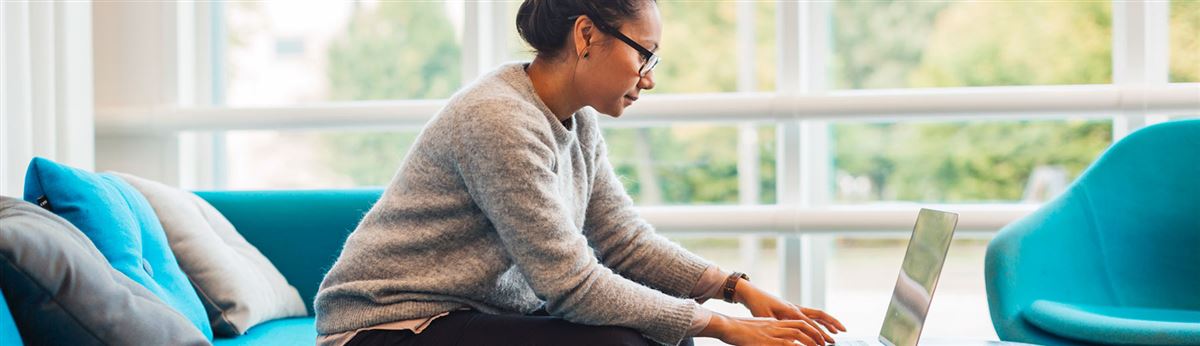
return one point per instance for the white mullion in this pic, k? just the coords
(478, 40)
(787, 184)
(814, 150)
(1158, 50)
(747, 164)
(215, 51)
(1139, 57)
(501, 23)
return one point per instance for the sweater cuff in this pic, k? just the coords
(709, 285)
(699, 322)
(673, 323)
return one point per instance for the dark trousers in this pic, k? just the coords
(475, 328)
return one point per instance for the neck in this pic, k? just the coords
(551, 81)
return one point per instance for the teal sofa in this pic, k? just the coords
(302, 233)
(1116, 258)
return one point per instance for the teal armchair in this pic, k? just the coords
(1116, 258)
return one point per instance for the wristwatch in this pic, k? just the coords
(731, 285)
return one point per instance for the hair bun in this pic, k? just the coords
(543, 24)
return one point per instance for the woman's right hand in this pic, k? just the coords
(762, 331)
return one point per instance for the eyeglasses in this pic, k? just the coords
(649, 59)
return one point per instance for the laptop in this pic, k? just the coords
(918, 277)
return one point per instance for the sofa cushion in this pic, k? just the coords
(288, 331)
(8, 328)
(122, 225)
(63, 292)
(239, 287)
(1116, 325)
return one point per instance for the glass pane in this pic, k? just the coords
(688, 164)
(862, 273)
(277, 53)
(313, 159)
(700, 48)
(1185, 41)
(710, 64)
(901, 44)
(963, 161)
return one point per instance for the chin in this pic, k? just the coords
(614, 112)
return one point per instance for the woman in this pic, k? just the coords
(506, 223)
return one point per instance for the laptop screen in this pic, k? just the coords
(918, 277)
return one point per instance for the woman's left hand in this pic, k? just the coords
(763, 304)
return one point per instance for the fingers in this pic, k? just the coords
(797, 335)
(824, 318)
(809, 330)
(801, 316)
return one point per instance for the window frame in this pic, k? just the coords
(801, 107)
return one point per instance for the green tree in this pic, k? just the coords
(1185, 41)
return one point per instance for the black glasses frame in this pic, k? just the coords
(649, 59)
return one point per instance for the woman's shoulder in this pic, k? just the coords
(499, 96)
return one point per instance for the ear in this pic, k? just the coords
(582, 34)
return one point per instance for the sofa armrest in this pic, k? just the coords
(300, 231)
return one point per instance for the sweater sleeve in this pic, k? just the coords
(507, 164)
(628, 244)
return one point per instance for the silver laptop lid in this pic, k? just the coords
(918, 277)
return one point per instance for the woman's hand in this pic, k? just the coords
(761, 331)
(763, 304)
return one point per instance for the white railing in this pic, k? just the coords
(1101, 101)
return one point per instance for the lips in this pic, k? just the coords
(631, 98)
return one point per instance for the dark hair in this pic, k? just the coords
(544, 24)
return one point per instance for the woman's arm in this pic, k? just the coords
(628, 244)
(506, 164)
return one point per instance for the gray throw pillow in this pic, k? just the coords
(239, 287)
(62, 291)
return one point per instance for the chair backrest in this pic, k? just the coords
(1126, 233)
(300, 231)
(1144, 195)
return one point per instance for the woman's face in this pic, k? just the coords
(610, 81)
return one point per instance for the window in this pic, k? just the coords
(985, 43)
(777, 148)
(278, 53)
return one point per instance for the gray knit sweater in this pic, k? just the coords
(501, 208)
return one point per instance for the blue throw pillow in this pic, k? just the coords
(122, 225)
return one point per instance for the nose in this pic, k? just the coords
(647, 81)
